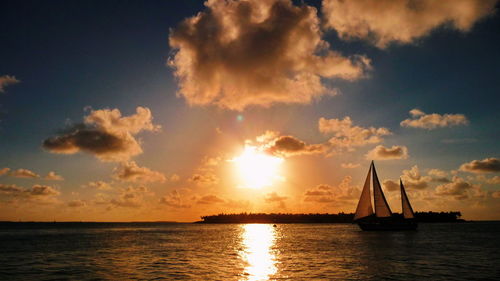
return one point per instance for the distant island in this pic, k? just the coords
(318, 218)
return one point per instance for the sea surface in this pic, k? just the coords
(448, 251)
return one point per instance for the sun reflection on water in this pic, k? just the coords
(258, 240)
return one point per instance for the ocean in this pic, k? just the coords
(162, 251)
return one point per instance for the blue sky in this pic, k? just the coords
(74, 58)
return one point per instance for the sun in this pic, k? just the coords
(257, 169)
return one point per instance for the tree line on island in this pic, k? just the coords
(319, 218)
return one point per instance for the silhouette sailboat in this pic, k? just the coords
(383, 218)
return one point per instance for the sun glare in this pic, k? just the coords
(257, 169)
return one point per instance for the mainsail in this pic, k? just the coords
(364, 208)
(381, 207)
(407, 210)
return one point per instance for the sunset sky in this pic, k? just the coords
(169, 110)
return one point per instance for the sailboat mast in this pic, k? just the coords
(405, 203)
(381, 207)
(364, 208)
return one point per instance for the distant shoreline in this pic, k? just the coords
(319, 218)
(426, 217)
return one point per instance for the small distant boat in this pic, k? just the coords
(383, 218)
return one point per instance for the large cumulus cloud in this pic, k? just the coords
(105, 133)
(253, 52)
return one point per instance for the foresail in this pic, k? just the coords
(381, 207)
(407, 210)
(364, 208)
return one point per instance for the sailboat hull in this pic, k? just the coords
(388, 225)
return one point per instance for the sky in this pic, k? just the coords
(171, 110)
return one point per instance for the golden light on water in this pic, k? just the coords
(257, 169)
(258, 240)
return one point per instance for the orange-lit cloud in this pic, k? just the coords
(4, 171)
(341, 194)
(273, 197)
(204, 178)
(130, 171)
(287, 146)
(438, 175)
(390, 185)
(99, 185)
(350, 165)
(412, 179)
(432, 121)
(76, 203)
(381, 152)
(131, 197)
(382, 22)
(241, 53)
(347, 136)
(24, 173)
(210, 199)
(488, 165)
(6, 80)
(104, 134)
(37, 193)
(458, 188)
(53, 176)
(173, 199)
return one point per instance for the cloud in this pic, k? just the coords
(412, 179)
(488, 165)
(340, 194)
(173, 199)
(347, 136)
(457, 188)
(131, 197)
(76, 203)
(287, 146)
(390, 185)
(210, 199)
(273, 197)
(6, 80)
(241, 53)
(381, 152)
(382, 22)
(53, 176)
(4, 171)
(493, 180)
(99, 185)
(10, 189)
(438, 175)
(434, 120)
(174, 178)
(37, 193)
(43, 190)
(104, 134)
(23, 173)
(349, 165)
(130, 171)
(206, 178)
